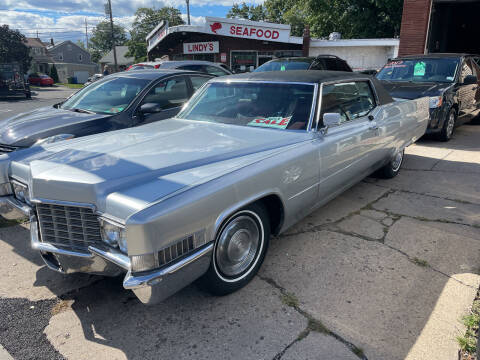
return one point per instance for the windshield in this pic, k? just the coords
(106, 97)
(284, 65)
(420, 70)
(275, 106)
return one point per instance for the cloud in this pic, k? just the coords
(194, 20)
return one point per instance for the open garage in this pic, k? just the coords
(432, 26)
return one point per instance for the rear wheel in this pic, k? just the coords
(392, 169)
(239, 250)
(448, 126)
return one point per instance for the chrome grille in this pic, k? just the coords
(71, 226)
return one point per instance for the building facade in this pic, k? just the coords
(40, 56)
(244, 45)
(72, 61)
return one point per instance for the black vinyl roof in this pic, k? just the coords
(305, 76)
(309, 76)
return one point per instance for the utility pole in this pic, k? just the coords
(113, 36)
(86, 32)
(188, 11)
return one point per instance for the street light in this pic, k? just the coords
(188, 11)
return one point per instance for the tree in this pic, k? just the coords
(146, 19)
(101, 38)
(249, 12)
(13, 47)
(81, 44)
(54, 73)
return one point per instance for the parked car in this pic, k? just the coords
(12, 81)
(450, 80)
(144, 66)
(200, 194)
(115, 102)
(40, 80)
(321, 62)
(208, 67)
(93, 78)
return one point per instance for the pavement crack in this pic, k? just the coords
(441, 159)
(313, 325)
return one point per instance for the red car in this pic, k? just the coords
(41, 80)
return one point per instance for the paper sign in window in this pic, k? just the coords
(419, 69)
(276, 122)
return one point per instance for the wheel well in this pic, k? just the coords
(275, 210)
(455, 106)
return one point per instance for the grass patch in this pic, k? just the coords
(71, 86)
(317, 326)
(468, 342)
(290, 300)
(61, 306)
(420, 262)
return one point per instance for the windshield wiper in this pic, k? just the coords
(82, 111)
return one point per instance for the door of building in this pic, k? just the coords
(243, 61)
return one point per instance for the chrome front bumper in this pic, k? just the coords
(12, 209)
(151, 287)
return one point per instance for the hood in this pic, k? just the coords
(137, 166)
(24, 129)
(414, 90)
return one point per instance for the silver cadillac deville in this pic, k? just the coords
(198, 195)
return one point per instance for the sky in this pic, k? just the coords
(65, 19)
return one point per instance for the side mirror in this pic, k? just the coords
(331, 119)
(150, 108)
(470, 80)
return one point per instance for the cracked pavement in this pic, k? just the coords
(385, 271)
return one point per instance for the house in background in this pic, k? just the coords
(122, 61)
(72, 61)
(40, 56)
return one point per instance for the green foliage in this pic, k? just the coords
(13, 47)
(352, 18)
(54, 73)
(146, 19)
(249, 12)
(81, 44)
(468, 342)
(95, 55)
(101, 39)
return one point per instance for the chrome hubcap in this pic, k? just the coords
(397, 161)
(237, 246)
(451, 124)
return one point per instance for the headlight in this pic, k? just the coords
(54, 138)
(436, 102)
(21, 192)
(114, 235)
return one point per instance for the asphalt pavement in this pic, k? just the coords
(41, 96)
(384, 271)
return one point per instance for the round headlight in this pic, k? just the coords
(114, 235)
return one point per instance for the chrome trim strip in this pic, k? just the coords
(134, 282)
(13, 209)
(113, 256)
(63, 203)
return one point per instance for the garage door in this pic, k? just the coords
(82, 76)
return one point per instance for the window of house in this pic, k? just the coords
(80, 57)
(60, 56)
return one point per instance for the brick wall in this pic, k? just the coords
(413, 33)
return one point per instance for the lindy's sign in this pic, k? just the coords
(248, 29)
(208, 47)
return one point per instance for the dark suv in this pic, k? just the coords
(321, 62)
(451, 81)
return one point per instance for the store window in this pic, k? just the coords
(244, 61)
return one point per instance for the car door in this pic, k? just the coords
(170, 94)
(476, 72)
(197, 81)
(466, 93)
(348, 150)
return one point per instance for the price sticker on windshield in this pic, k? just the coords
(276, 122)
(398, 63)
(419, 69)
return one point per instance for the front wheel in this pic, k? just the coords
(239, 250)
(392, 168)
(448, 126)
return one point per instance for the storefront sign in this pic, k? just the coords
(223, 57)
(157, 35)
(208, 47)
(248, 29)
